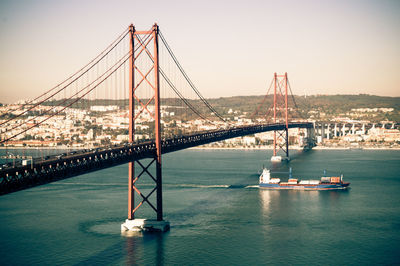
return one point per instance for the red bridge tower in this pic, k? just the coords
(145, 76)
(281, 137)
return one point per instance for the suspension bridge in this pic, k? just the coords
(139, 73)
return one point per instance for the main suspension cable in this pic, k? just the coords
(77, 99)
(188, 79)
(294, 101)
(112, 45)
(263, 101)
(173, 86)
(181, 96)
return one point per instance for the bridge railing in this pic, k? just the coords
(78, 162)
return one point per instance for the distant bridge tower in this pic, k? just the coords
(281, 137)
(146, 76)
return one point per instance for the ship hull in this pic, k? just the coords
(330, 186)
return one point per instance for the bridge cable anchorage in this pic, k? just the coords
(173, 87)
(77, 99)
(188, 79)
(102, 55)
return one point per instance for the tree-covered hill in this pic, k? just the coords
(316, 106)
(331, 105)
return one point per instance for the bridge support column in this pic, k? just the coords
(281, 138)
(335, 131)
(131, 166)
(310, 139)
(133, 224)
(328, 132)
(322, 132)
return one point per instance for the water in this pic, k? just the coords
(216, 218)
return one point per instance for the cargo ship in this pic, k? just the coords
(325, 183)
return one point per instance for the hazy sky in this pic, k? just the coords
(227, 47)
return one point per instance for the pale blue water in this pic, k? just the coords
(214, 218)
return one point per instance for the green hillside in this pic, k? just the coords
(315, 106)
(331, 105)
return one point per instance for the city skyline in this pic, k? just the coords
(330, 47)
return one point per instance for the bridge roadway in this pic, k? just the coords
(62, 166)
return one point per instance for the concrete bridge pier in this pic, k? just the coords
(344, 130)
(320, 133)
(328, 132)
(335, 131)
(310, 138)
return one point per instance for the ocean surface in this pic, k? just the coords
(218, 216)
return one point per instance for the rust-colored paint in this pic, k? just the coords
(286, 100)
(157, 126)
(286, 116)
(275, 81)
(281, 102)
(150, 37)
(131, 168)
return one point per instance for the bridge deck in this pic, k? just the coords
(79, 162)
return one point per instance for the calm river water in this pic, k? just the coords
(216, 216)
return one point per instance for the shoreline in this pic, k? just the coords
(294, 148)
(297, 148)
